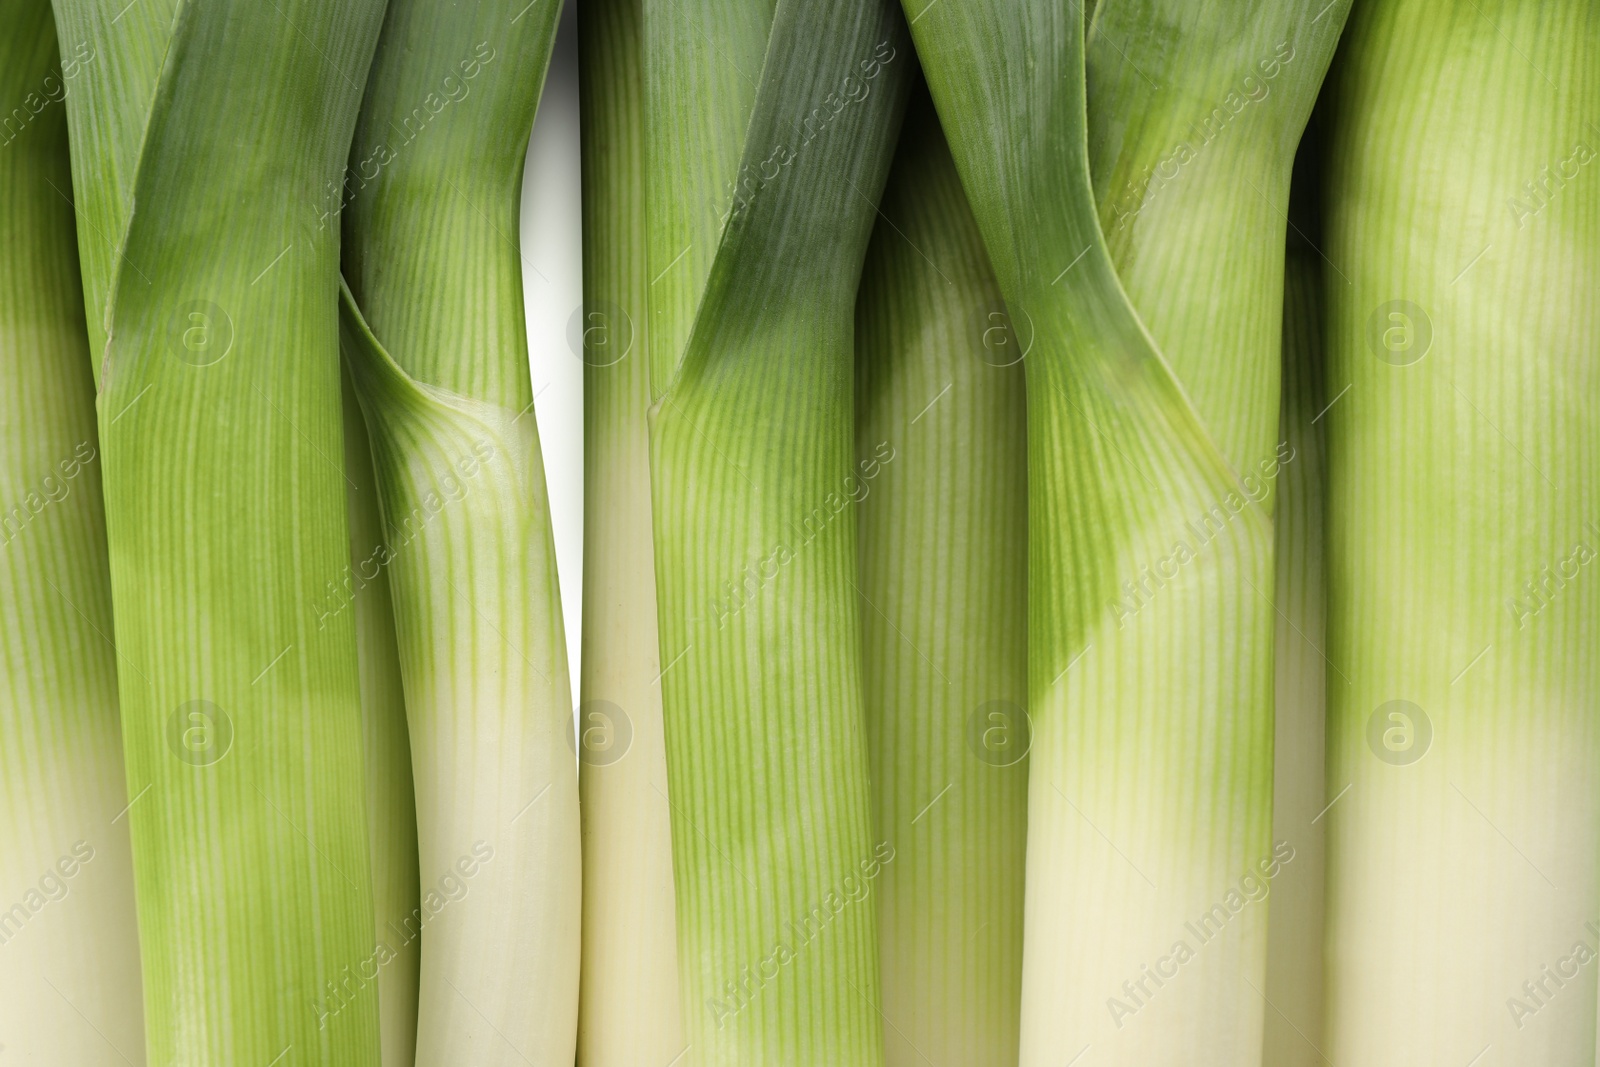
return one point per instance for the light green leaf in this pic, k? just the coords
(115, 50)
(703, 63)
(1194, 117)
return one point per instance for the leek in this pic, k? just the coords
(630, 1011)
(1293, 989)
(1151, 432)
(1463, 214)
(1274, 743)
(435, 336)
(768, 133)
(942, 491)
(69, 964)
(219, 414)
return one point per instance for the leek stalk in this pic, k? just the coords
(1153, 408)
(69, 963)
(941, 450)
(1293, 989)
(436, 340)
(768, 136)
(391, 798)
(219, 414)
(630, 1010)
(1463, 214)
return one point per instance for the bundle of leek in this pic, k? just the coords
(344, 793)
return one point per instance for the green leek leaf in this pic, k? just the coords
(116, 53)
